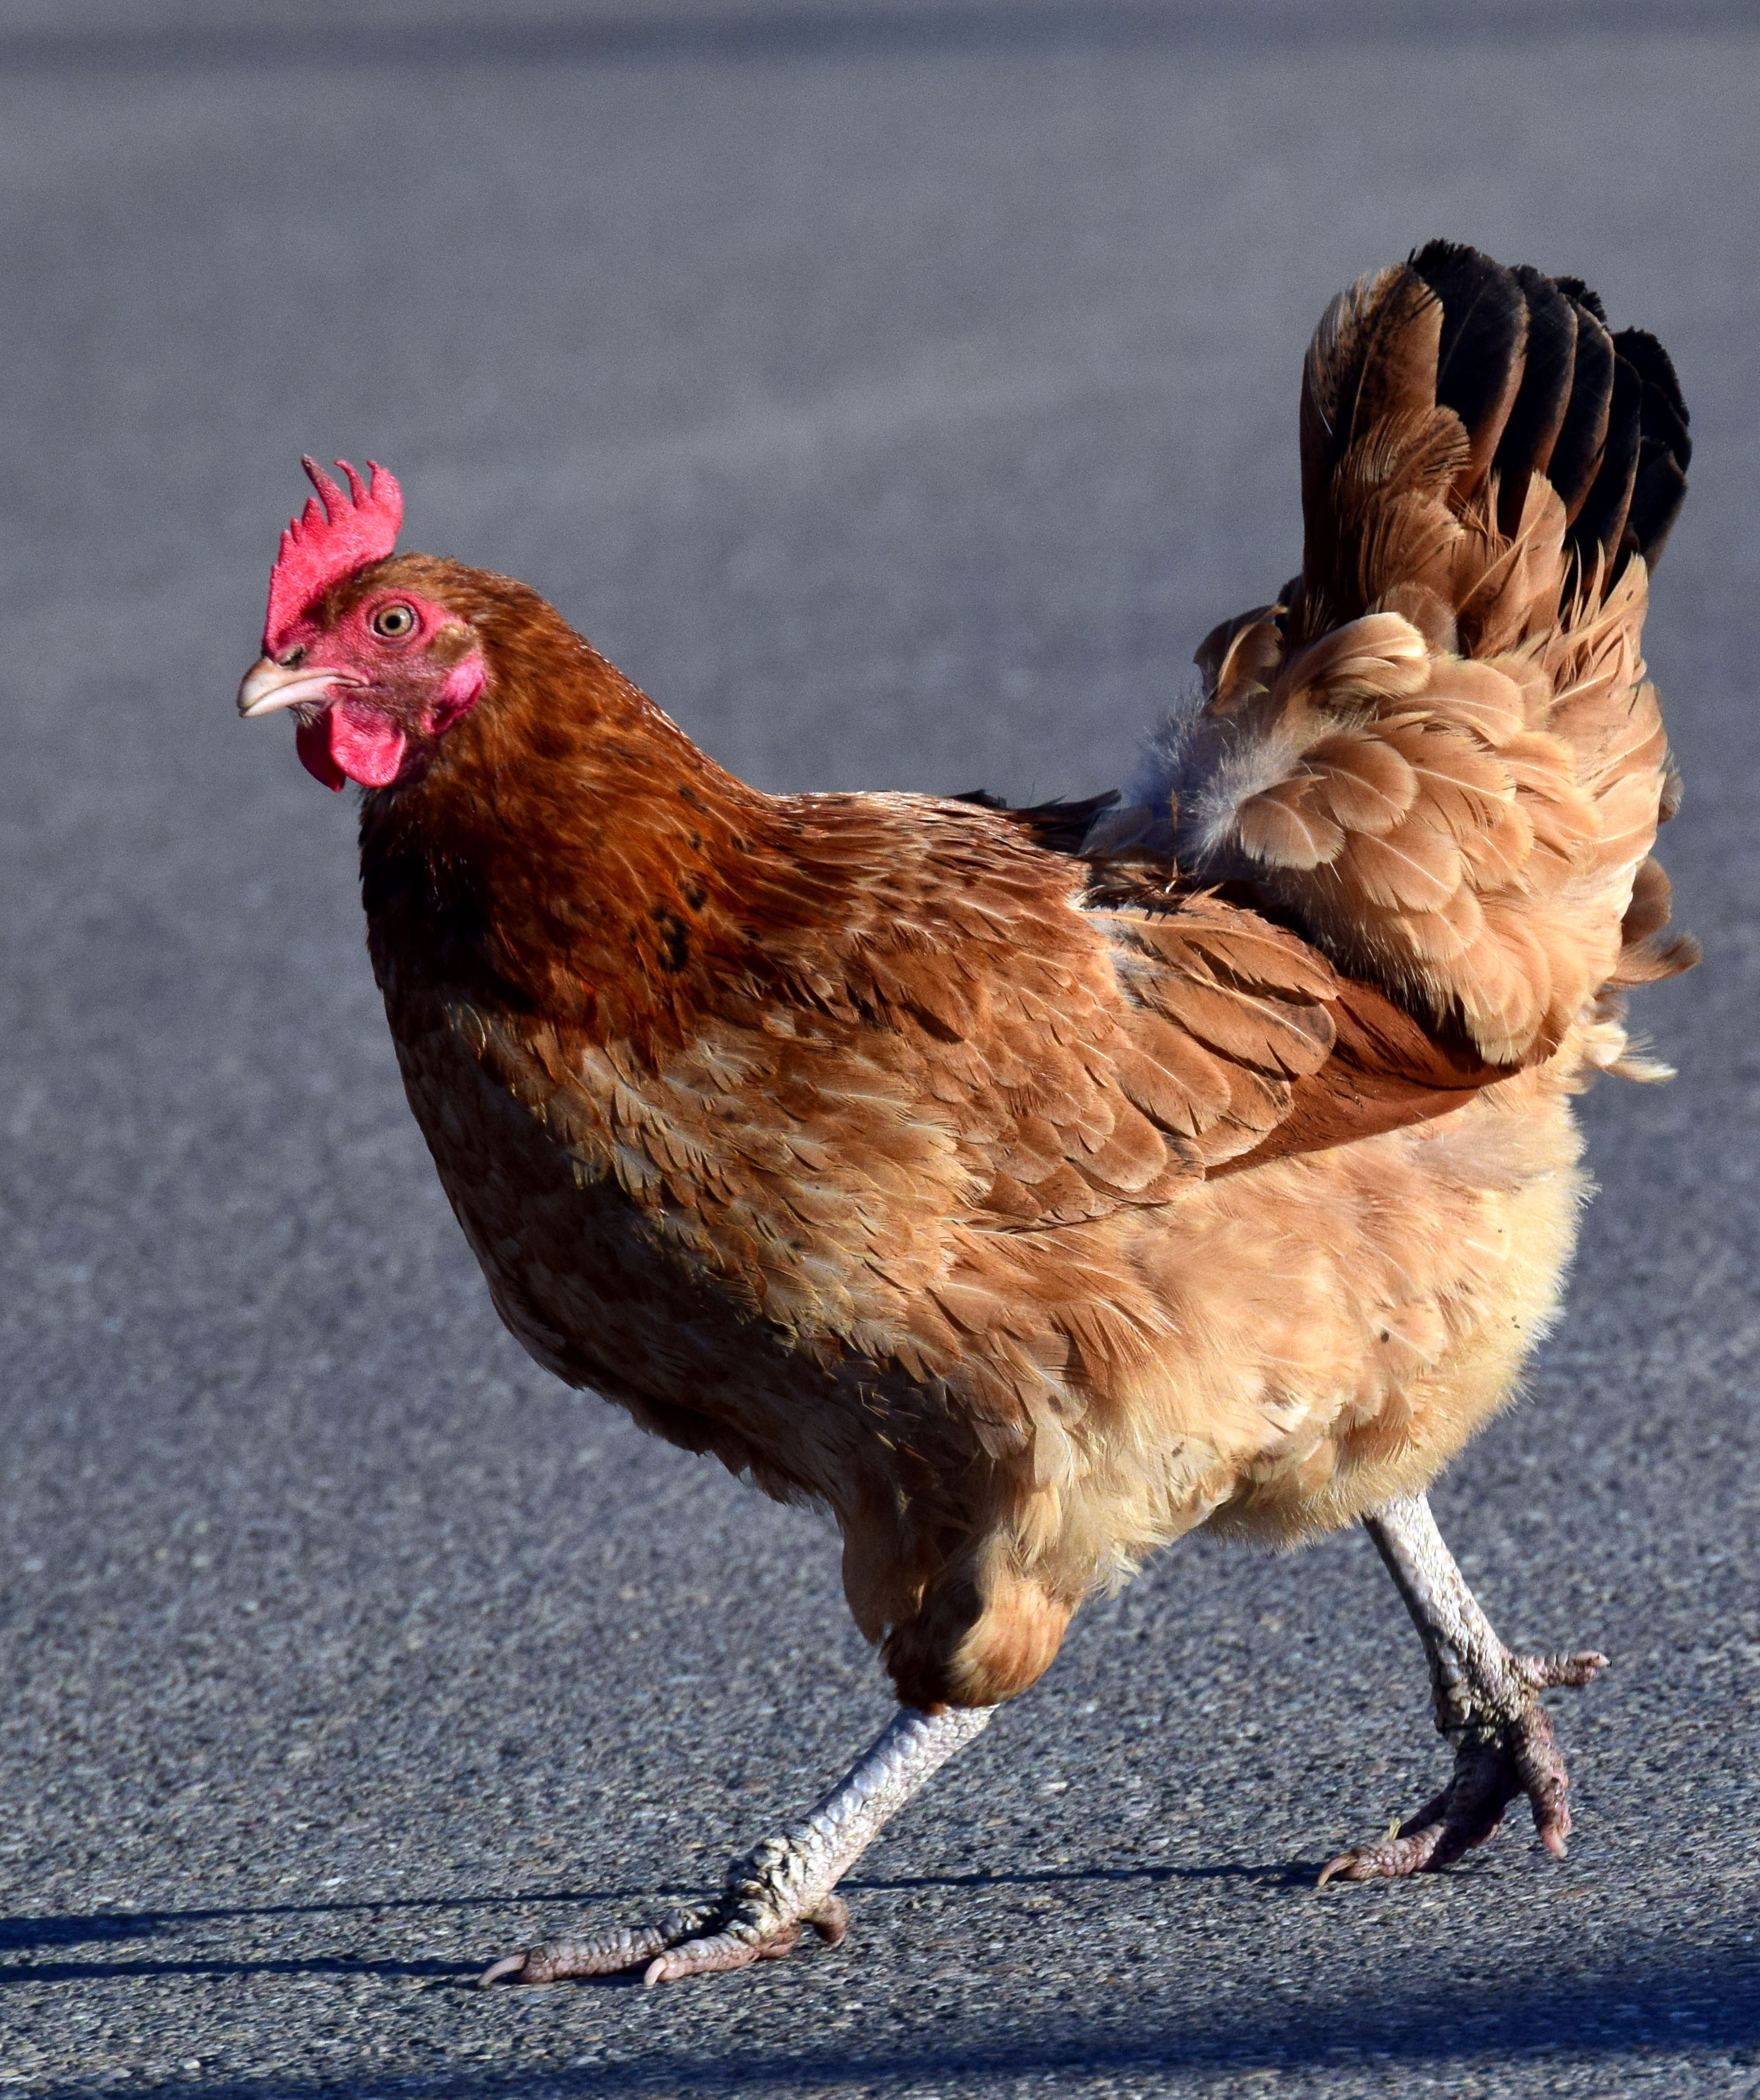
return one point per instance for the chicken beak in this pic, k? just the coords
(269, 686)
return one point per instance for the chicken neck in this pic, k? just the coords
(570, 853)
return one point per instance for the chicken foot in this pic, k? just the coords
(784, 1883)
(1486, 1705)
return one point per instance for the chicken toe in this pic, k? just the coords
(783, 1886)
(732, 1948)
(693, 1940)
(603, 1954)
(1486, 1705)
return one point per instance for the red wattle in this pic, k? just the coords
(312, 740)
(365, 744)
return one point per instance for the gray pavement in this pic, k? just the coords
(899, 405)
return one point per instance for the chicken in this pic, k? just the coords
(1028, 1187)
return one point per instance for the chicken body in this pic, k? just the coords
(1029, 1186)
(883, 1226)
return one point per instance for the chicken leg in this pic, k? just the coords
(1486, 1705)
(783, 1883)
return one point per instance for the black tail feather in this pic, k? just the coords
(1484, 334)
(1542, 387)
(1597, 530)
(1537, 416)
(1576, 457)
(1665, 449)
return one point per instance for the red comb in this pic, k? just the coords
(328, 541)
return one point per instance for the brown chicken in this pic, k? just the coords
(1027, 1187)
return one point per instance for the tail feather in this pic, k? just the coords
(1665, 450)
(1481, 349)
(1598, 529)
(1440, 756)
(1532, 431)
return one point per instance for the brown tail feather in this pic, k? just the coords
(1441, 756)
(1532, 381)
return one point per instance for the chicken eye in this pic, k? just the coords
(393, 622)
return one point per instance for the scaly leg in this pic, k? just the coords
(783, 1884)
(1487, 1705)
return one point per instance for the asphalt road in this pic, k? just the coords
(898, 394)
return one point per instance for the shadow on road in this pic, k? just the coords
(1698, 2000)
(73, 1930)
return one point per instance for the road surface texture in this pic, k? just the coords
(898, 393)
